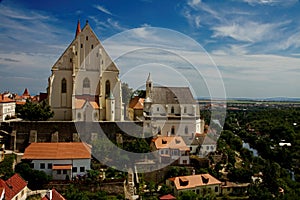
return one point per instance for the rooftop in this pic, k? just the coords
(57, 151)
(171, 142)
(193, 181)
(13, 185)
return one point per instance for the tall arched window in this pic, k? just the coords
(107, 88)
(172, 109)
(186, 130)
(173, 130)
(63, 86)
(86, 83)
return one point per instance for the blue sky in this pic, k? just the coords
(255, 44)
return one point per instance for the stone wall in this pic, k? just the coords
(24, 132)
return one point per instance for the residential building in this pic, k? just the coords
(135, 108)
(170, 149)
(237, 189)
(171, 111)
(199, 183)
(14, 188)
(202, 145)
(53, 195)
(59, 160)
(7, 107)
(85, 72)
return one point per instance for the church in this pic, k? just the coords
(84, 84)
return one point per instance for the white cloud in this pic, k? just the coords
(246, 31)
(271, 2)
(102, 9)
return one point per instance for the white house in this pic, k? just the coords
(171, 148)
(14, 188)
(7, 107)
(59, 160)
(200, 184)
(202, 145)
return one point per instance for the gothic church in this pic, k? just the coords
(84, 84)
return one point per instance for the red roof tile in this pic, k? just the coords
(167, 197)
(171, 142)
(13, 186)
(57, 151)
(137, 103)
(55, 196)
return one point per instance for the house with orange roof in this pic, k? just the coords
(14, 188)
(172, 148)
(59, 160)
(135, 108)
(7, 107)
(199, 183)
(53, 195)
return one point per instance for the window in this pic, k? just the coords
(92, 46)
(63, 85)
(216, 189)
(184, 161)
(42, 165)
(59, 171)
(87, 38)
(207, 148)
(49, 165)
(82, 169)
(157, 109)
(86, 83)
(186, 130)
(173, 130)
(159, 131)
(81, 45)
(107, 88)
(172, 109)
(64, 171)
(78, 115)
(71, 60)
(184, 110)
(74, 169)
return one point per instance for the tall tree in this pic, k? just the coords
(35, 112)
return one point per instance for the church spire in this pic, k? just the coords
(78, 29)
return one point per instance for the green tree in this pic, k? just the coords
(35, 112)
(187, 195)
(36, 179)
(6, 167)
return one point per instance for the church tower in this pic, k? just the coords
(85, 75)
(149, 87)
(110, 108)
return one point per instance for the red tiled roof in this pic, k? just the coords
(198, 180)
(26, 93)
(167, 197)
(55, 196)
(57, 151)
(137, 103)
(171, 142)
(4, 99)
(13, 186)
(57, 167)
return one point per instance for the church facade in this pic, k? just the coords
(171, 111)
(84, 84)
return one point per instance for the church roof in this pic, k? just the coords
(172, 95)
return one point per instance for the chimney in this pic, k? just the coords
(49, 194)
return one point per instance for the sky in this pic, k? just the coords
(244, 48)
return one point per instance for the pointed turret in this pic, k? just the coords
(26, 93)
(78, 29)
(149, 87)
